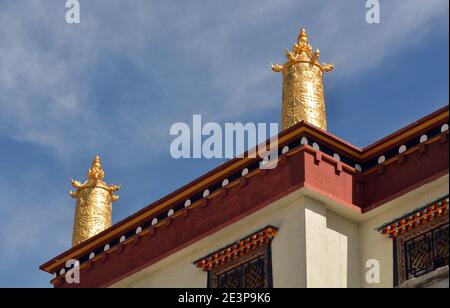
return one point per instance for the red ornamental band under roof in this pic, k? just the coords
(415, 219)
(358, 179)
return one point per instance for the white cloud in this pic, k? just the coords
(46, 65)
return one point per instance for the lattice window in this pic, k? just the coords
(252, 271)
(427, 252)
(423, 250)
(244, 264)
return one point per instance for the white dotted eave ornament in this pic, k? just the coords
(225, 182)
(402, 149)
(337, 157)
(423, 139)
(244, 172)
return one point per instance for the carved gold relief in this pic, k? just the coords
(303, 94)
(94, 198)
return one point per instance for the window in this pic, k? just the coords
(244, 264)
(420, 241)
(253, 272)
(422, 250)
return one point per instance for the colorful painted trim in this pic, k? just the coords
(415, 219)
(303, 135)
(239, 249)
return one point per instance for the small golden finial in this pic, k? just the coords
(303, 44)
(303, 97)
(96, 172)
(94, 198)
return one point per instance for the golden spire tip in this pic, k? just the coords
(96, 170)
(303, 36)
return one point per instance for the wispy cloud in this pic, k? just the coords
(30, 221)
(115, 83)
(46, 65)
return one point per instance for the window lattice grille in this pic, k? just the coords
(251, 274)
(252, 271)
(427, 252)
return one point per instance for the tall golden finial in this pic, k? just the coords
(94, 198)
(303, 95)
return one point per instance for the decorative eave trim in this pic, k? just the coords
(235, 166)
(415, 219)
(238, 249)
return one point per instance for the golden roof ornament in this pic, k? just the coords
(303, 94)
(94, 198)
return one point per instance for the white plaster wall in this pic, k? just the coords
(332, 248)
(378, 247)
(316, 243)
(343, 252)
(316, 246)
(288, 253)
(313, 248)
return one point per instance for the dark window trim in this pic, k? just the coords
(394, 251)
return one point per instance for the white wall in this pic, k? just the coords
(332, 248)
(315, 246)
(378, 247)
(288, 253)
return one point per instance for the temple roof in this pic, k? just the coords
(359, 179)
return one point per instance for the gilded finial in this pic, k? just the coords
(96, 171)
(302, 52)
(303, 44)
(303, 97)
(94, 200)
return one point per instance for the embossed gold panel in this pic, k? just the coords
(94, 198)
(303, 93)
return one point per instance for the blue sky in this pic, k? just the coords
(114, 84)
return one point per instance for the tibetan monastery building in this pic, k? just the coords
(329, 215)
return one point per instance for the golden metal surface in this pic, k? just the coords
(94, 198)
(303, 94)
